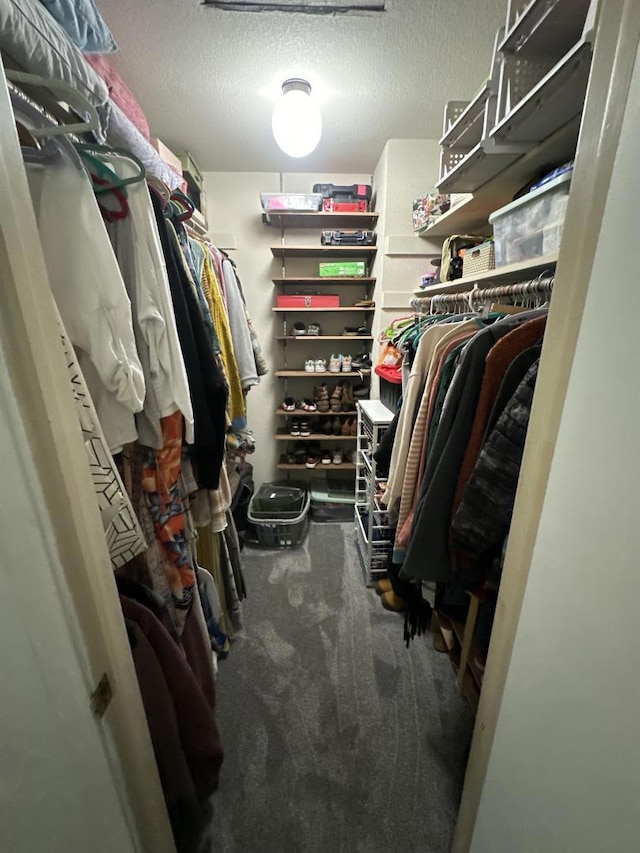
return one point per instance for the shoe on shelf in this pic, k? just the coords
(362, 362)
(325, 426)
(364, 303)
(346, 427)
(336, 426)
(321, 365)
(382, 586)
(289, 404)
(335, 364)
(348, 404)
(321, 397)
(313, 455)
(298, 329)
(310, 366)
(294, 427)
(306, 405)
(305, 428)
(354, 427)
(314, 330)
(346, 364)
(361, 390)
(337, 457)
(347, 457)
(356, 331)
(336, 398)
(326, 457)
(299, 453)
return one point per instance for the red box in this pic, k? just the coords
(326, 300)
(329, 205)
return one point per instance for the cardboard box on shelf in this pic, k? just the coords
(167, 155)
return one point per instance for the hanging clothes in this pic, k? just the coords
(123, 533)
(89, 291)
(482, 520)
(207, 386)
(427, 556)
(137, 247)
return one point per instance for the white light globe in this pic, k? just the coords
(296, 122)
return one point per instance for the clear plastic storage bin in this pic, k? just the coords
(303, 202)
(531, 226)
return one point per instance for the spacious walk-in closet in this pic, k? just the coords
(318, 426)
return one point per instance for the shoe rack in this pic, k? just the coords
(294, 380)
(373, 532)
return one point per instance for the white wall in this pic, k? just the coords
(564, 771)
(407, 169)
(57, 789)
(233, 201)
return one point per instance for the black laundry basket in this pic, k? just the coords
(278, 513)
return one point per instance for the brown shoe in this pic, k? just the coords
(354, 426)
(393, 602)
(346, 427)
(348, 404)
(335, 400)
(325, 426)
(383, 586)
(321, 397)
(337, 426)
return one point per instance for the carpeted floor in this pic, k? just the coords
(338, 739)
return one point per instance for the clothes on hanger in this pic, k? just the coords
(161, 354)
(466, 388)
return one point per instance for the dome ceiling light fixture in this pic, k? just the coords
(296, 122)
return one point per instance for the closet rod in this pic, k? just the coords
(536, 287)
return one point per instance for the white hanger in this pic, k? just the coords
(65, 94)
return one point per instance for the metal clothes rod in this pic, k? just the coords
(536, 287)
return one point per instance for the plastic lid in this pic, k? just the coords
(519, 202)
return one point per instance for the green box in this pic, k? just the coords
(346, 268)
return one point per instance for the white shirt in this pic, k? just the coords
(139, 252)
(90, 295)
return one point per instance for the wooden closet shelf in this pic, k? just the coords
(353, 374)
(305, 338)
(319, 219)
(316, 436)
(300, 413)
(328, 251)
(320, 310)
(288, 466)
(324, 279)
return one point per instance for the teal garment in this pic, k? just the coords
(446, 377)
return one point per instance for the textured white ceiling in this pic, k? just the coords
(207, 79)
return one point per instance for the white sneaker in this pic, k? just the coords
(335, 364)
(310, 366)
(346, 364)
(337, 458)
(321, 365)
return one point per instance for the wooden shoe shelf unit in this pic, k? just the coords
(296, 349)
(524, 121)
(373, 533)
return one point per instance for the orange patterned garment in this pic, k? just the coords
(160, 482)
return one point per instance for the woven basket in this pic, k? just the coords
(480, 259)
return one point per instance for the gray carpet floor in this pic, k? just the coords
(337, 738)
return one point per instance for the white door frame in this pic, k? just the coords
(39, 375)
(618, 35)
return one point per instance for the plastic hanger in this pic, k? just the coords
(65, 94)
(186, 208)
(87, 151)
